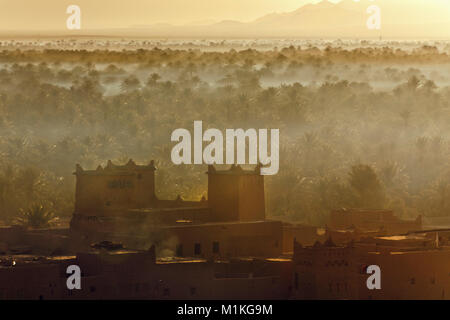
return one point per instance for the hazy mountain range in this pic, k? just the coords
(345, 19)
(412, 19)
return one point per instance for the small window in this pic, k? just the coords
(216, 247)
(166, 292)
(179, 250)
(197, 249)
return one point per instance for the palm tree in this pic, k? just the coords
(153, 79)
(365, 182)
(37, 216)
(130, 83)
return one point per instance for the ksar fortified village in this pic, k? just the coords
(353, 202)
(222, 247)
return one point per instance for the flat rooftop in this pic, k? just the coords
(209, 224)
(8, 261)
(167, 209)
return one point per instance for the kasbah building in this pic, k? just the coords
(222, 247)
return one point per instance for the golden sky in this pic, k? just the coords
(50, 14)
(44, 13)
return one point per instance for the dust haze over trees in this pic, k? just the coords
(365, 127)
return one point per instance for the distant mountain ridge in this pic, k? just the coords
(325, 19)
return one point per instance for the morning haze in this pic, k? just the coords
(232, 18)
(124, 172)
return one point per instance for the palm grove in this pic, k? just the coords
(344, 142)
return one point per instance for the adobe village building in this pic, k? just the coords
(119, 203)
(130, 244)
(413, 266)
